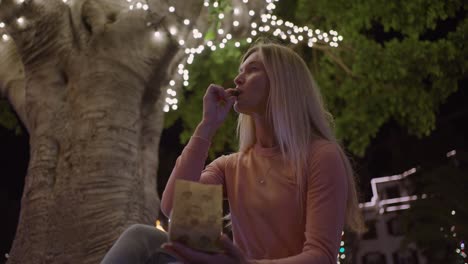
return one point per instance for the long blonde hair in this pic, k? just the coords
(303, 118)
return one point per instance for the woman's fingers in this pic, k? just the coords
(220, 94)
(178, 255)
(216, 104)
(215, 92)
(230, 248)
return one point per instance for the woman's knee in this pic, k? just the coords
(146, 233)
(136, 229)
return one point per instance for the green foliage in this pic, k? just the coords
(7, 118)
(399, 60)
(218, 67)
(403, 59)
(213, 19)
(430, 222)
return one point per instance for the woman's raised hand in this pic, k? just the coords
(217, 103)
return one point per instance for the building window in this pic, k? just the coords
(371, 230)
(394, 227)
(374, 258)
(406, 256)
(392, 192)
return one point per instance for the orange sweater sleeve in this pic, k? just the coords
(325, 209)
(189, 166)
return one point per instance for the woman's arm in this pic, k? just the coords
(190, 163)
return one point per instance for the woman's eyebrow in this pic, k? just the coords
(250, 63)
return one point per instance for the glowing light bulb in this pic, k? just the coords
(171, 9)
(21, 21)
(173, 30)
(158, 36)
(5, 37)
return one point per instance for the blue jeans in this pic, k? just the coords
(139, 244)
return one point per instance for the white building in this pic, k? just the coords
(382, 243)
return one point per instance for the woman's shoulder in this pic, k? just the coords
(228, 159)
(322, 149)
(323, 145)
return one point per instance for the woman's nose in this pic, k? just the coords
(239, 80)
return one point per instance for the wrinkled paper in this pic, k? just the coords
(196, 218)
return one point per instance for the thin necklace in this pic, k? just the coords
(262, 179)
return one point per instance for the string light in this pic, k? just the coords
(263, 20)
(21, 21)
(5, 37)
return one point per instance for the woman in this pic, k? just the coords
(290, 187)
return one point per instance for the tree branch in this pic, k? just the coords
(12, 82)
(340, 62)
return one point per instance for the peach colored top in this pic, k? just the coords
(262, 194)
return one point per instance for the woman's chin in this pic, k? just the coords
(241, 110)
(236, 107)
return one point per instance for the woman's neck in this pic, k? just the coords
(264, 132)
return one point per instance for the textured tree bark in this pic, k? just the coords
(86, 81)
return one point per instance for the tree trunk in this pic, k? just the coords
(86, 81)
(92, 109)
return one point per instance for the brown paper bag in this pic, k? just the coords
(196, 218)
